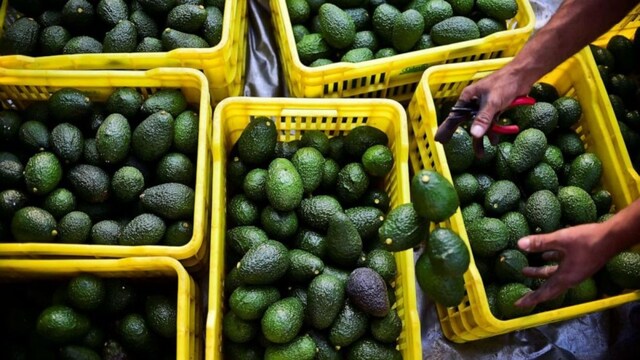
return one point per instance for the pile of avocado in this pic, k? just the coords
(115, 173)
(90, 318)
(619, 69)
(309, 276)
(538, 181)
(359, 30)
(55, 27)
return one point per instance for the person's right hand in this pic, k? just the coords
(580, 252)
(494, 93)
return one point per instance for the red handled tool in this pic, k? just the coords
(462, 112)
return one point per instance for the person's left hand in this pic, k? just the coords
(580, 252)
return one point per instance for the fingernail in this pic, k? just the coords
(521, 303)
(524, 244)
(477, 131)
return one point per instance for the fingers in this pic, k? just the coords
(551, 289)
(542, 272)
(552, 255)
(539, 243)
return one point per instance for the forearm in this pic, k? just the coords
(576, 24)
(623, 229)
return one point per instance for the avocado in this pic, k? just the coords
(542, 177)
(402, 229)
(487, 236)
(243, 238)
(467, 187)
(32, 224)
(544, 92)
(368, 292)
(161, 314)
(542, 116)
(187, 18)
(144, 229)
(624, 53)
(368, 349)
(78, 15)
(61, 324)
(447, 252)
(286, 149)
(53, 40)
(304, 266)
(543, 212)
(235, 351)
(136, 335)
(284, 186)
(111, 12)
(498, 9)
(175, 167)
(178, 234)
(121, 39)
(82, 45)
(105, 232)
(324, 349)
(623, 269)
(10, 125)
(585, 171)
(336, 26)
(361, 138)
(330, 171)
(127, 183)
(383, 21)
(528, 149)
(488, 26)
(357, 55)
(90, 183)
(325, 299)
(14, 200)
(301, 348)
(21, 37)
(352, 182)
(279, 225)
(42, 173)
(507, 296)
(70, 105)
(238, 330)
(152, 138)
(257, 142)
(367, 220)
(434, 197)
(250, 302)
(174, 39)
(282, 321)
(312, 242)
(602, 199)
(433, 12)
(407, 30)
(388, 328)
(264, 263)
(34, 136)
(309, 164)
(472, 212)
(569, 144)
(377, 160)
(516, 225)
(212, 27)
(170, 200)
(577, 206)
(312, 47)
(74, 228)
(501, 197)
(350, 325)
(185, 132)
(113, 139)
(569, 111)
(453, 30)
(509, 265)
(146, 27)
(158, 7)
(315, 139)
(459, 151)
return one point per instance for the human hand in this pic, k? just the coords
(494, 93)
(580, 252)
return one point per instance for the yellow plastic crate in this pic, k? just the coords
(292, 117)
(627, 28)
(223, 64)
(394, 77)
(472, 319)
(189, 323)
(19, 88)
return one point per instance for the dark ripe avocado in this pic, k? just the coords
(367, 291)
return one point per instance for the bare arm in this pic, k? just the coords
(572, 27)
(580, 250)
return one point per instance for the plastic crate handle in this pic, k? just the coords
(328, 113)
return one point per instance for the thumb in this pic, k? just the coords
(481, 123)
(538, 243)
